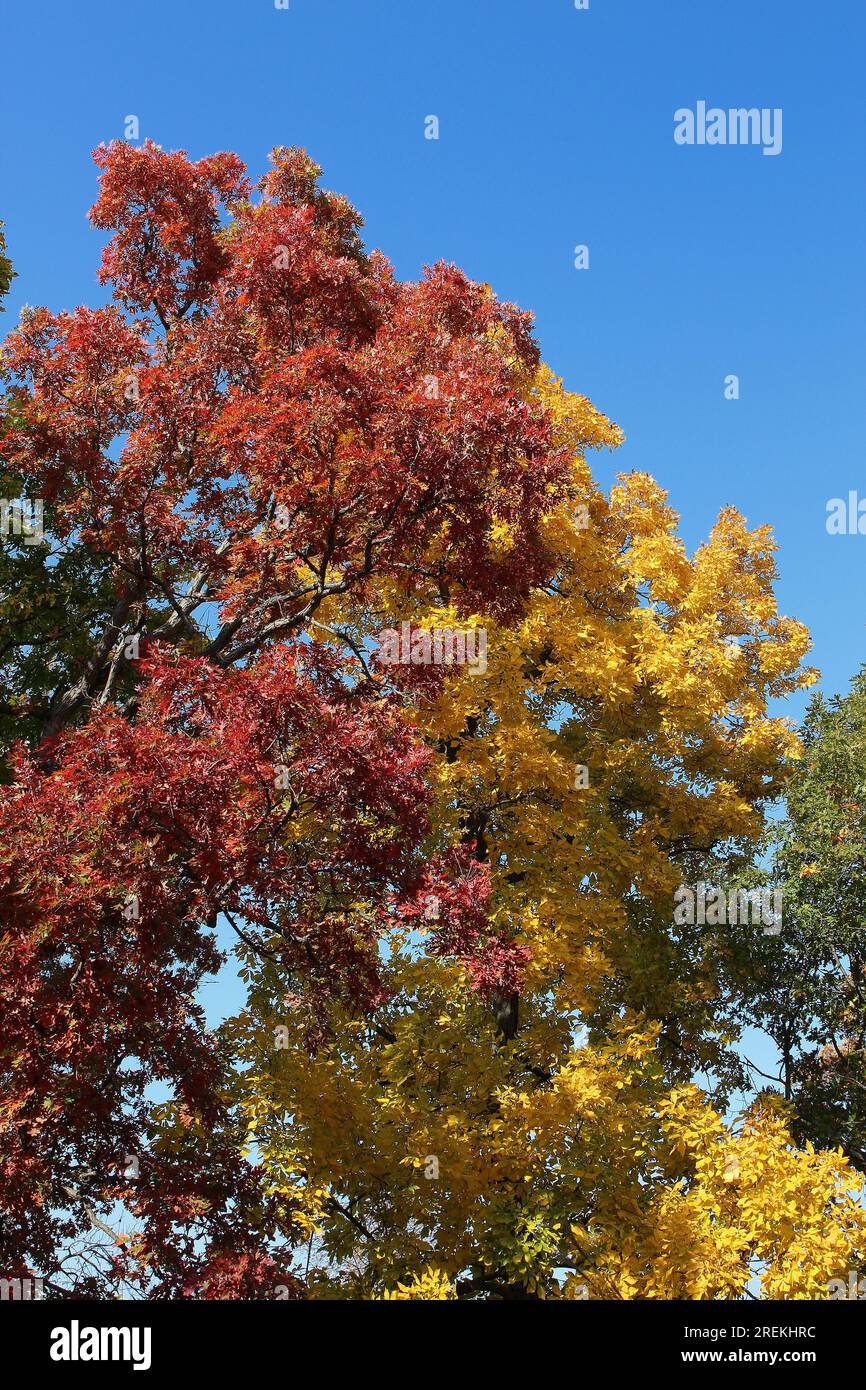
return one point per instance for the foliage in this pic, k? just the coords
(808, 991)
(7, 274)
(466, 1065)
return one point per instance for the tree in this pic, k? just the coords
(450, 884)
(248, 431)
(556, 1146)
(7, 274)
(809, 993)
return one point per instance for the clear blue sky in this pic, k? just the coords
(556, 129)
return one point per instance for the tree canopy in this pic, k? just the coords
(468, 1062)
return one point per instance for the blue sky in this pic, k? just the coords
(556, 128)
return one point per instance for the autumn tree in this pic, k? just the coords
(807, 991)
(247, 431)
(555, 1145)
(466, 1067)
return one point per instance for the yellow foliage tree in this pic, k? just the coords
(554, 1144)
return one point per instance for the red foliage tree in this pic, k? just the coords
(261, 419)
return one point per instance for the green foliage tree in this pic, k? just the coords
(53, 597)
(7, 274)
(807, 987)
